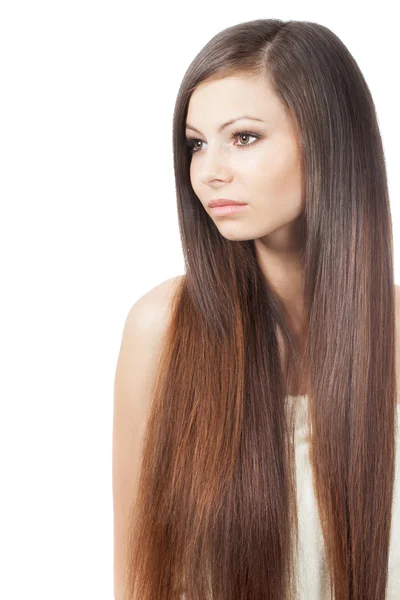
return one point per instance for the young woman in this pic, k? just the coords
(255, 452)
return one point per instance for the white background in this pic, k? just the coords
(88, 225)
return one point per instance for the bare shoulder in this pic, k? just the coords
(143, 337)
(141, 347)
(152, 310)
(137, 364)
(145, 327)
(398, 340)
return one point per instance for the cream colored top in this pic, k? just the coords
(313, 580)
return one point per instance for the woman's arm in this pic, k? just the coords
(141, 345)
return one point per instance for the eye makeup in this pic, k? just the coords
(191, 141)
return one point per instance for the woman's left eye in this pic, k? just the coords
(191, 142)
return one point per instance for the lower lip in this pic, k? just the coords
(229, 209)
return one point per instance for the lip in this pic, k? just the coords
(228, 209)
(224, 202)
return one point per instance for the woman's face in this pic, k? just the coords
(259, 166)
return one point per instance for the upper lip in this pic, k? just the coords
(223, 202)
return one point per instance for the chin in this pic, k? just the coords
(235, 236)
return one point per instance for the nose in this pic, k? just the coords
(215, 164)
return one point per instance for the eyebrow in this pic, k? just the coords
(222, 127)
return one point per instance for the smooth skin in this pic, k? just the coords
(262, 169)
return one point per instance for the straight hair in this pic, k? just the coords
(215, 516)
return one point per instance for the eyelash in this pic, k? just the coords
(190, 141)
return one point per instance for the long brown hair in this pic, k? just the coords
(215, 514)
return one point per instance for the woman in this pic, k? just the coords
(256, 396)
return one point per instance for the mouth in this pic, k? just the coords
(228, 209)
(225, 202)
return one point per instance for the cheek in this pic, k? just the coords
(197, 186)
(192, 171)
(280, 175)
(193, 181)
(193, 176)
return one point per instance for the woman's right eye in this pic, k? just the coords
(191, 144)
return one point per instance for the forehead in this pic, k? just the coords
(213, 102)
